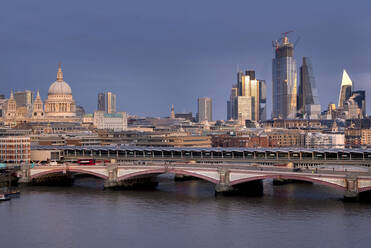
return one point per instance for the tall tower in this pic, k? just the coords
(107, 102)
(172, 113)
(307, 100)
(345, 89)
(284, 78)
(205, 111)
(248, 98)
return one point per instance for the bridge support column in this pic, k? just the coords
(25, 174)
(144, 182)
(223, 186)
(112, 181)
(351, 193)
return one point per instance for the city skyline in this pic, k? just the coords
(125, 61)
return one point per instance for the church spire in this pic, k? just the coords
(11, 95)
(60, 73)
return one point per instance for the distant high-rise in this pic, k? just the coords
(107, 102)
(172, 113)
(204, 109)
(101, 102)
(345, 89)
(356, 105)
(24, 98)
(248, 98)
(284, 77)
(308, 105)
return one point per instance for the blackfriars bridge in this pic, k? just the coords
(226, 177)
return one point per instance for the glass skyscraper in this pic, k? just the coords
(345, 89)
(248, 98)
(284, 77)
(308, 100)
(107, 102)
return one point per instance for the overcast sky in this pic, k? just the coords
(154, 53)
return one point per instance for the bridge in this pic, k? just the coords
(226, 177)
(300, 157)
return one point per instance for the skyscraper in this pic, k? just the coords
(262, 100)
(101, 102)
(355, 106)
(284, 77)
(204, 109)
(248, 98)
(107, 102)
(308, 105)
(345, 89)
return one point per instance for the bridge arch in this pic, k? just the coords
(61, 170)
(364, 189)
(171, 171)
(289, 177)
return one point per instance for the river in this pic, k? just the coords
(182, 214)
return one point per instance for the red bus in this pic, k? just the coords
(86, 161)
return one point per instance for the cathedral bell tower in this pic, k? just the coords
(37, 108)
(11, 107)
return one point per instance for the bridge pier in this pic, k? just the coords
(351, 193)
(253, 188)
(113, 182)
(134, 183)
(25, 174)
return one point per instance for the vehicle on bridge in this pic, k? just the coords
(86, 162)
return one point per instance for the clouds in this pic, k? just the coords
(157, 53)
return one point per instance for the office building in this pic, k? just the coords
(24, 98)
(243, 108)
(355, 106)
(204, 109)
(107, 102)
(345, 89)
(15, 149)
(284, 78)
(113, 121)
(308, 106)
(249, 94)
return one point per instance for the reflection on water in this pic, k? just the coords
(182, 214)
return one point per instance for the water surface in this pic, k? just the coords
(182, 214)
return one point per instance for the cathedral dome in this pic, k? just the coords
(59, 87)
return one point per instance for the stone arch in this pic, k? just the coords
(299, 178)
(364, 189)
(172, 171)
(60, 170)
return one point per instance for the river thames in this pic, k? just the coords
(182, 214)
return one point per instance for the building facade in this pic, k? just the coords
(114, 121)
(308, 106)
(204, 109)
(15, 149)
(284, 78)
(24, 98)
(107, 102)
(248, 98)
(345, 89)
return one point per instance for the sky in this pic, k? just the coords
(156, 53)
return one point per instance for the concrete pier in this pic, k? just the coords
(253, 188)
(135, 183)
